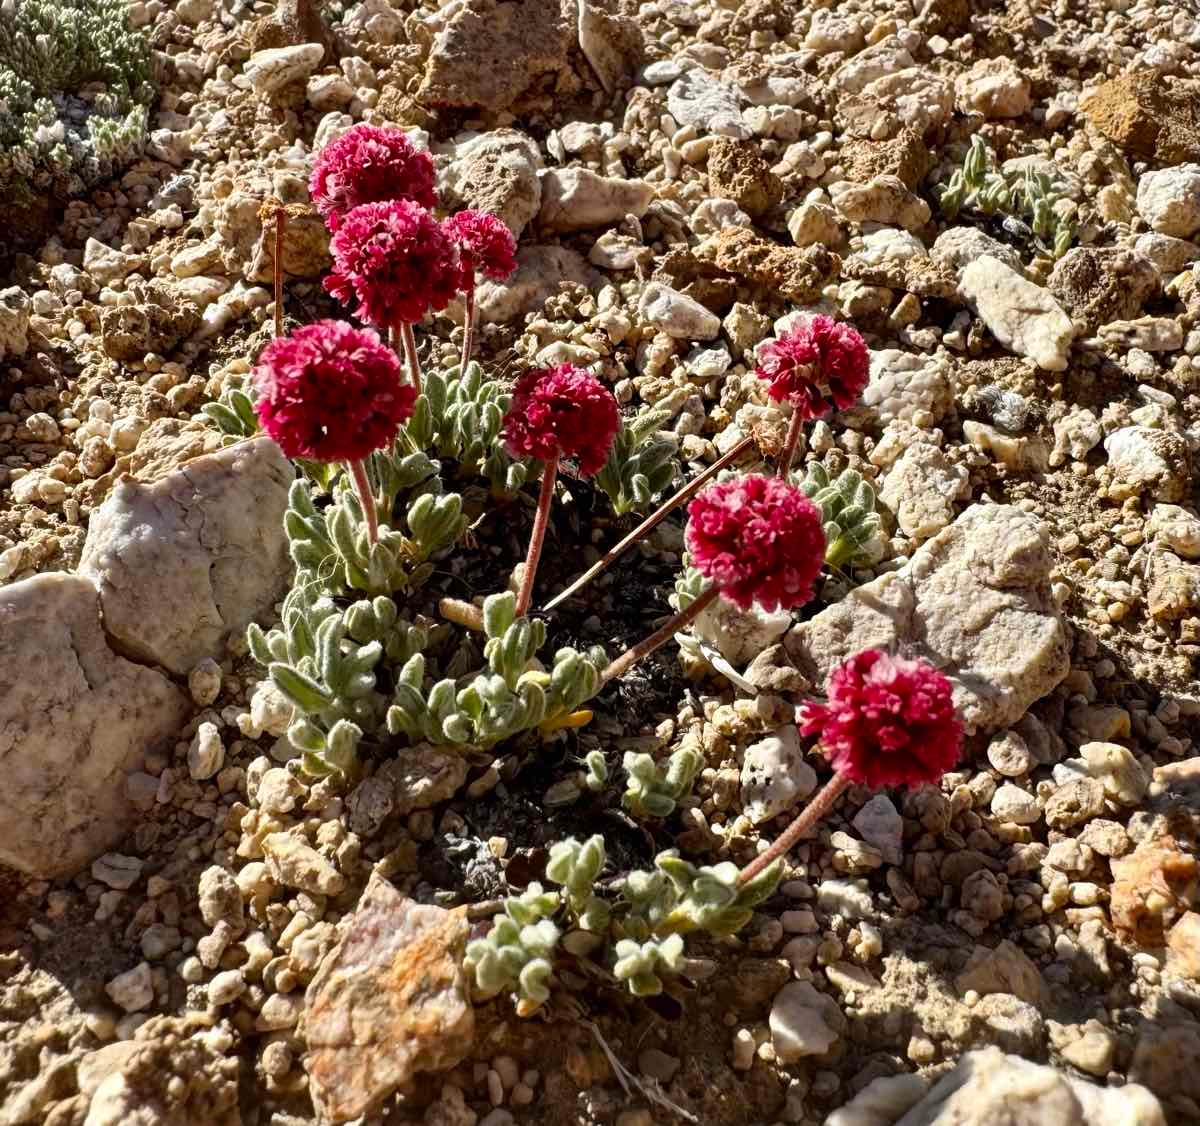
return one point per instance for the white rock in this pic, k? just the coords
(270, 710)
(75, 718)
(204, 682)
(1076, 434)
(271, 70)
(329, 92)
(885, 199)
(804, 1022)
(775, 775)
(541, 272)
(921, 488)
(117, 871)
(297, 865)
(975, 600)
(1142, 459)
(677, 315)
(496, 172)
(849, 898)
(881, 1102)
(206, 755)
(994, 88)
(879, 823)
(132, 990)
(1169, 200)
(576, 199)
(106, 264)
(907, 387)
(187, 561)
(225, 987)
(814, 223)
(695, 98)
(1011, 803)
(958, 247)
(278, 791)
(1175, 528)
(1022, 316)
(1115, 767)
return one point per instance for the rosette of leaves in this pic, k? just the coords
(709, 898)
(514, 694)
(640, 463)
(576, 865)
(653, 789)
(233, 414)
(460, 415)
(515, 955)
(418, 519)
(324, 660)
(75, 91)
(1025, 200)
(847, 504)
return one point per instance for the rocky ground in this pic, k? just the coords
(682, 175)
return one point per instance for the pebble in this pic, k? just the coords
(206, 755)
(204, 683)
(803, 1022)
(115, 870)
(132, 990)
(677, 315)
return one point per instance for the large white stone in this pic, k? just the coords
(576, 199)
(1169, 200)
(75, 719)
(1024, 317)
(271, 70)
(187, 561)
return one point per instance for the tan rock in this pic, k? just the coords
(390, 1000)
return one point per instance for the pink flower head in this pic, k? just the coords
(485, 244)
(819, 364)
(330, 392)
(562, 410)
(758, 539)
(367, 164)
(395, 260)
(889, 721)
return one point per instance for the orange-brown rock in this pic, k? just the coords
(1150, 115)
(793, 272)
(1150, 889)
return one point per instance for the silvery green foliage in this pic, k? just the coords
(848, 516)
(332, 542)
(326, 669)
(514, 694)
(689, 585)
(515, 955)
(596, 776)
(644, 922)
(653, 790)
(641, 964)
(233, 414)
(640, 463)
(576, 866)
(460, 417)
(1027, 199)
(58, 135)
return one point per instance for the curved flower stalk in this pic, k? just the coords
(485, 244)
(757, 539)
(816, 366)
(329, 392)
(888, 721)
(557, 412)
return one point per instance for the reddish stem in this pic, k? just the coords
(789, 445)
(659, 637)
(538, 535)
(646, 526)
(805, 820)
(468, 323)
(280, 218)
(362, 489)
(410, 353)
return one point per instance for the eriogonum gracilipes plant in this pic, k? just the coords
(757, 539)
(394, 260)
(888, 721)
(557, 412)
(485, 244)
(331, 392)
(369, 164)
(816, 366)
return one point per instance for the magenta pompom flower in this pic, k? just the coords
(395, 260)
(819, 364)
(889, 721)
(484, 243)
(367, 164)
(331, 392)
(758, 539)
(562, 411)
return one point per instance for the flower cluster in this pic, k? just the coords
(889, 721)
(758, 539)
(562, 411)
(395, 260)
(484, 243)
(367, 164)
(330, 392)
(816, 366)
